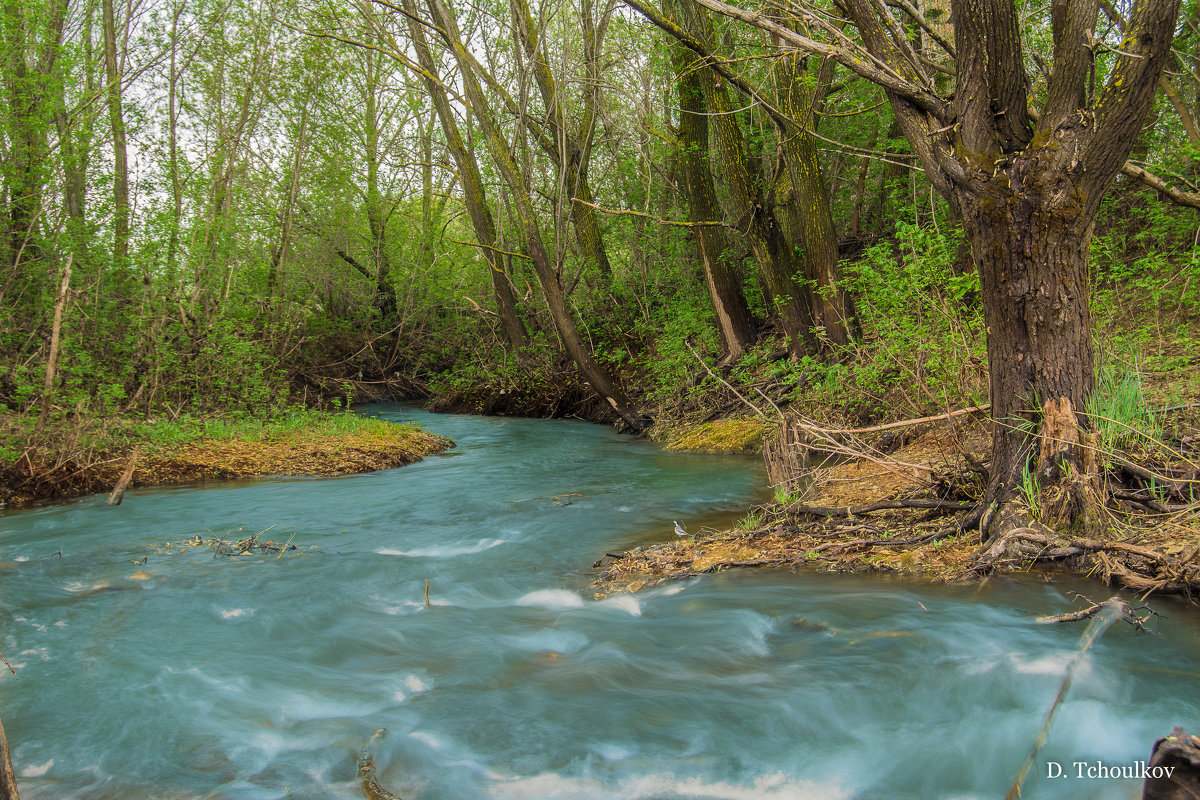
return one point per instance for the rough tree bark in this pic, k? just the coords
(832, 309)
(8, 779)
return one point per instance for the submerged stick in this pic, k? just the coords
(427, 593)
(118, 492)
(366, 772)
(1103, 617)
(10, 666)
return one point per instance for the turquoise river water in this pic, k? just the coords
(195, 676)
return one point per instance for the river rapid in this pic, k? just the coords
(200, 676)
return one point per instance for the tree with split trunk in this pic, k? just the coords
(1025, 165)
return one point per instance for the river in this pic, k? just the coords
(200, 676)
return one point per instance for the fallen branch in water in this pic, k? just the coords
(1105, 614)
(1117, 604)
(118, 492)
(366, 772)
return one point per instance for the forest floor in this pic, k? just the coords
(75, 462)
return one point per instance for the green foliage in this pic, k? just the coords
(687, 321)
(924, 324)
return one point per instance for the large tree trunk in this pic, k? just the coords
(1030, 236)
(8, 779)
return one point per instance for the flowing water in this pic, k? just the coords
(194, 676)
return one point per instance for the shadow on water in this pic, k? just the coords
(194, 676)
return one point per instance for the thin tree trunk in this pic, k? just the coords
(113, 94)
(571, 148)
(279, 258)
(792, 302)
(385, 296)
(173, 79)
(60, 303)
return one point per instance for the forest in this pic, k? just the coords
(951, 243)
(862, 212)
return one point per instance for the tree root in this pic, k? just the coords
(1145, 570)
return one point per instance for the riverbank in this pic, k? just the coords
(907, 499)
(91, 456)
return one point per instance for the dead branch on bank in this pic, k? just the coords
(879, 505)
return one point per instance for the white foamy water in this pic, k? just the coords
(551, 599)
(442, 552)
(664, 786)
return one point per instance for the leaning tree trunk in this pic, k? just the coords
(527, 218)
